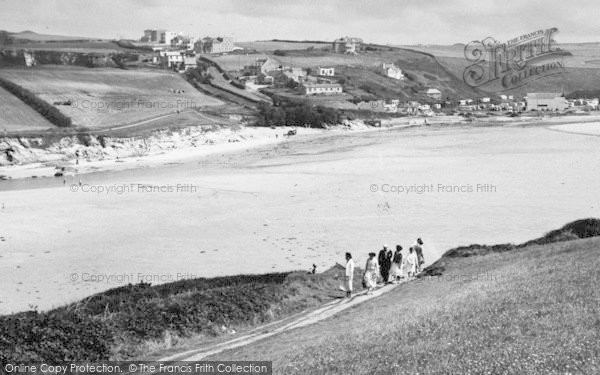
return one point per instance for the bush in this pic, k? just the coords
(53, 336)
(296, 114)
(45, 109)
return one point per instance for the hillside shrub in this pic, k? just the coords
(42, 107)
(296, 114)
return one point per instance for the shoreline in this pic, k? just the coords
(194, 142)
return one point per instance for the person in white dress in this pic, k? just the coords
(411, 263)
(348, 281)
(371, 273)
(396, 270)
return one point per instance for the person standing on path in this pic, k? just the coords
(371, 273)
(349, 275)
(411, 263)
(382, 259)
(419, 250)
(396, 270)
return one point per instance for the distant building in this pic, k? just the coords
(312, 88)
(169, 36)
(485, 100)
(325, 71)
(214, 45)
(391, 70)
(172, 58)
(347, 45)
(156, 36)
(434, 94)
(296, 74)
(543, 101)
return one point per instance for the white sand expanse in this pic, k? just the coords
(288, 205)
(588, 128)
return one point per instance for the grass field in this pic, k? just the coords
(16, 116)
(103, 98)
(534, 310)
(570, 80)
(270, 45)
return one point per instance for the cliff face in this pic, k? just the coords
(19, 151)
(22, 57)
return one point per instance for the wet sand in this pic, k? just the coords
(288, 206)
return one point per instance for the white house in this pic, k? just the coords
(325, 71)
(391, 70)
(190, 62)
(172, 58)
(485, 100)
(434, 94)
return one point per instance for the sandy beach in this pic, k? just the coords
(288, 204)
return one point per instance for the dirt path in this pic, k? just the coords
(271, 329)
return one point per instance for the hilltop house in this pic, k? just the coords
(391, 70)
(347, 45)
(434, 94)
(214, 45)
(546, 102)
(325, 71)
(313, 88)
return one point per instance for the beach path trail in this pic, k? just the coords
(274, 328)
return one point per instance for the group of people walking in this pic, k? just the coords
(388, 267)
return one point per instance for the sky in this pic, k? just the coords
(396, 22)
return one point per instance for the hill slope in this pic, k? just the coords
(532, 310)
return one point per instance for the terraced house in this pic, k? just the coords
(313, 88)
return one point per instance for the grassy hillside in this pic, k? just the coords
(104, 97)
(358, 73)
(582, 69)
(18, 116)
(531, 310)
(127, 321)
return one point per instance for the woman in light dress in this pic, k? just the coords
(396, 270)
(348, 281)
(371, 273)
(411, 263)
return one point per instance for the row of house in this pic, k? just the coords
(164, 39)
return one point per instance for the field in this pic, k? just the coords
(18, 116)
(582, 70)
(270, 45)
(105, 98)
(533, 310)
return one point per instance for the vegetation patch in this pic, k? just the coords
(120, 322)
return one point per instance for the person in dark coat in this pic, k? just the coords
(384, 264)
